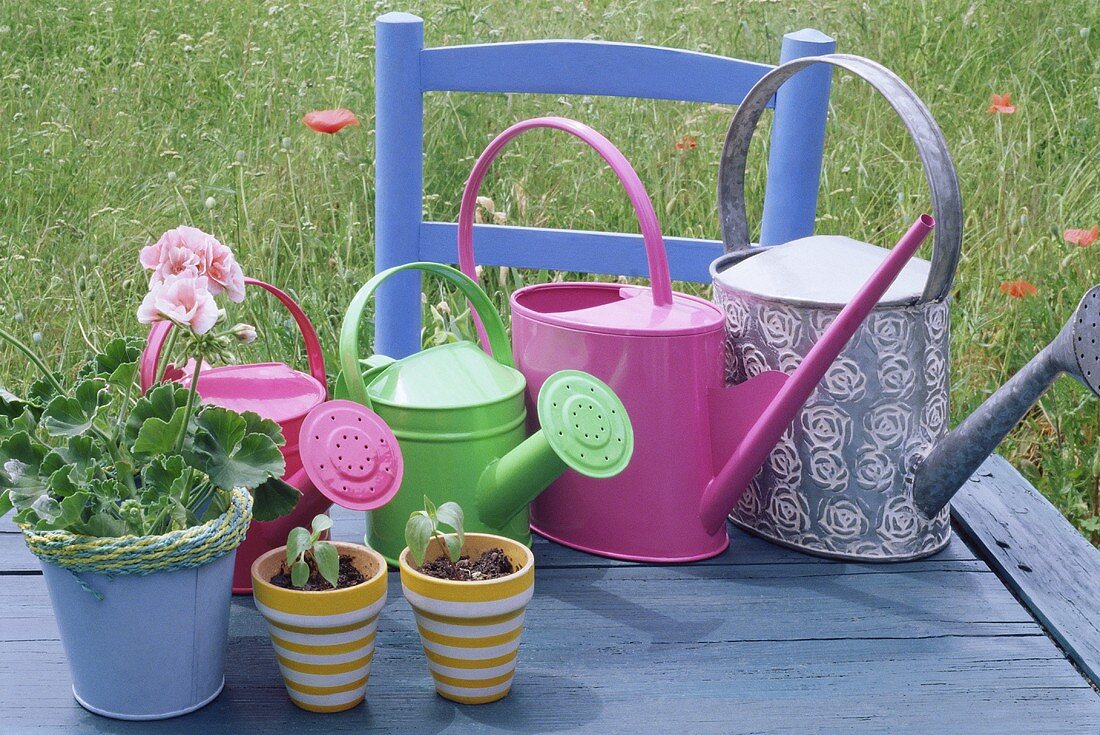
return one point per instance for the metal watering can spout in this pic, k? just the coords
(1075, 351)
(584, 427)
(750, 453)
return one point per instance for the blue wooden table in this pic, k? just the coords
(757, 640)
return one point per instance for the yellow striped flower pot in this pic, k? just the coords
(471, 630)
(324, 641)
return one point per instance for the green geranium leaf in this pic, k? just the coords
(160, 402)
(25, 421)
(69, 512)
(11, 405)
(273, 499)
(296, 543)
(21, 459)
(418, 531)
(101, 524)
(219, 503)
(42, 391)
(5, 504)
(328, 561)
(164, 476)
(229, 455)
(157, 436)
(69, 416)
(117, 364)
(256, 424)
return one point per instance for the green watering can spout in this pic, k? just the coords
(584, 427)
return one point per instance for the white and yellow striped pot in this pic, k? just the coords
(471, 630)
(324, 641)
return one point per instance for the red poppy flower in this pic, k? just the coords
(686, 143)
(330, 121)
(1019, 289)
(1002, 103)
(1084, 238)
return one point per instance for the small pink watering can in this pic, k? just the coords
(332, 433)
(698, 443)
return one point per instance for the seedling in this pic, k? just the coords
(302, 542)
(424, 524)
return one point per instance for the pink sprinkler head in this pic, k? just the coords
(351, 455)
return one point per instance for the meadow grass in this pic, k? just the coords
(123, 119)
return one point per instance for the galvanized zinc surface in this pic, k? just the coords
(757, 640)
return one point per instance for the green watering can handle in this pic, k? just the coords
(349, 330)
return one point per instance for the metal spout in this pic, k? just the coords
(723, 492)
(584, 427)
(1075, 351)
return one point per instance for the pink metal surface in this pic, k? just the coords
(272, 390)
(351, 455)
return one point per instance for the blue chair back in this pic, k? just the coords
(405, 70)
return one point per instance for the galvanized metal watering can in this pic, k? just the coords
(460, 419)
(837, 483)
(698, 442)
(295, 401)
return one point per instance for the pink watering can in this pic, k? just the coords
(339, 447)
(698, 443)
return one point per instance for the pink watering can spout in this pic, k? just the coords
(754, 439)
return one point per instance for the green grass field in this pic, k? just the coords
(119, 120)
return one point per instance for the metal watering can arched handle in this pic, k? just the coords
(158, 335)
(926, 134)
(659, 278)
(349, 329)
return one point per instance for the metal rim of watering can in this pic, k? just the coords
(585, 423)
(657, 259)
(350, 374)
(926, 134)
(334, 446)
(158, 335)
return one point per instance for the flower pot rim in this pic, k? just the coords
(380, 572)
(528, 555)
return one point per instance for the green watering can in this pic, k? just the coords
(461, 422)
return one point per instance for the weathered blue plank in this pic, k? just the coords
(1039, 555)
(581, 251)
(589, 67)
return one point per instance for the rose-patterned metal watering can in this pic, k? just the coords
(699, 443)
(292, 399)
(838, 482)
(460, 418)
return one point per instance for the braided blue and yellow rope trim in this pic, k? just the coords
(139, 555)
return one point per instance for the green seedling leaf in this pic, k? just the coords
(296, 544)
(157, 436)
(418, 532)
(451, 514)
(160, 402)
(321, 523)
(65, 416)
(230, 456)
(454, 546)
(328, 561)
(299, 573)
(429, 508)
(273, 499)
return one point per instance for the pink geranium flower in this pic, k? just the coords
(188, 251)
(183, 300)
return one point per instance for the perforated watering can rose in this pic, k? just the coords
(275, 391)
(884, 400)
(699, 443)
(460, 420)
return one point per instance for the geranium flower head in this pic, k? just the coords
(1019, 289)
(190, 252)
(1002, 104)
(184, 300)
(1084, 238)
(330, 121)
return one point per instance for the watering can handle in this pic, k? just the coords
(938, 168)
(635, 190)
(349, 330)
(158, 335)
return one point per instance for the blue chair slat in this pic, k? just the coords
(581, 251)
(405, 71)
(589, 67)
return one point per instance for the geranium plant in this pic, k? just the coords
(93, 456)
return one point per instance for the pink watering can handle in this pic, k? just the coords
(635, 190)
(723, 492)
(158, 335)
